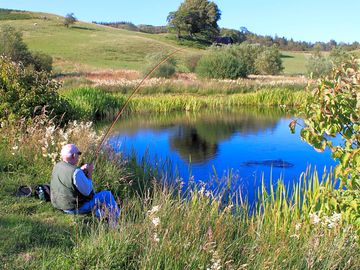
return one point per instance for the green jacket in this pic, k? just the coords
(64, 194)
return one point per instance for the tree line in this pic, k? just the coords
(197, 20)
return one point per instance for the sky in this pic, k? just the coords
(302, 20)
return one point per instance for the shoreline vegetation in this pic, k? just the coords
(98, 96)
(159, 228)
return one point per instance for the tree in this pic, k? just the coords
(69, 19)
(195, 17)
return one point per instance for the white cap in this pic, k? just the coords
(68, 150)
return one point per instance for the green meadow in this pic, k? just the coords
(86, 46)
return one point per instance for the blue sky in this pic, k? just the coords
(306, 20)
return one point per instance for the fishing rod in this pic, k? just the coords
(136, 89)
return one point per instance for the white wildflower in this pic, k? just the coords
(297, 226)
(314, 218)
(201, 191)
(333, 221)
(154, 209)
(295, 236)
(156, 221)
(156, 237)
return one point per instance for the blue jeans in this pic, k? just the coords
(103, 204)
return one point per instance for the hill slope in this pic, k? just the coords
(86, 46)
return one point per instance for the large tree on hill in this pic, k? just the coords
(195, 17)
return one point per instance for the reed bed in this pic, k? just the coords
(183, 83)
(264, 97)
(92, 103)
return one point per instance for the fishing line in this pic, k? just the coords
(128, 100)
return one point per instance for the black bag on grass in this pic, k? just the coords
(41, 192)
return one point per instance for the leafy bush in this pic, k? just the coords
(165, 70)
(24, 91)
(14, 47)
(219, 64)
(318, 66)
(236, 61)
(247, 54)
(334, 111)
(269, 61)
(42, 61)
(191, 61)
(339, 56)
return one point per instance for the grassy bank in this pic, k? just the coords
(94, 103)
(159, 229)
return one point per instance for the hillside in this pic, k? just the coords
(86, 46)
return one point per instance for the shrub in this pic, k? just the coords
(247, 54)
(339, 56)
(318, 65)
(269, 61)
(165, 70)
(191, 61)
(220, 64)
(14, 47)
(42, 61)
(334, 112)
(24, 90)
(250, 59)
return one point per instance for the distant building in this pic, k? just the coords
(223, 41)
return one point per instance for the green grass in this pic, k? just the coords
(194, 233)
(294, 62)
(89, 46)
(86, 46)
(93, 103)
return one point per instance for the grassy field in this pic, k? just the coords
(89, 46)
(86, 46)
(294, 62)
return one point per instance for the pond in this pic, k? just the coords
(249, 146)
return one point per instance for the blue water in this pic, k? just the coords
(207, 147)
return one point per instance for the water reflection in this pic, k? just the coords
(195, 137)
(191, 146)
(255, 142)
(197, 141)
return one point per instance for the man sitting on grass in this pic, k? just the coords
(72, 189)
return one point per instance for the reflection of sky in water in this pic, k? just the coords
(231, 152)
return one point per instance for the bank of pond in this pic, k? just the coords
(95, 103)
(254, 222)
